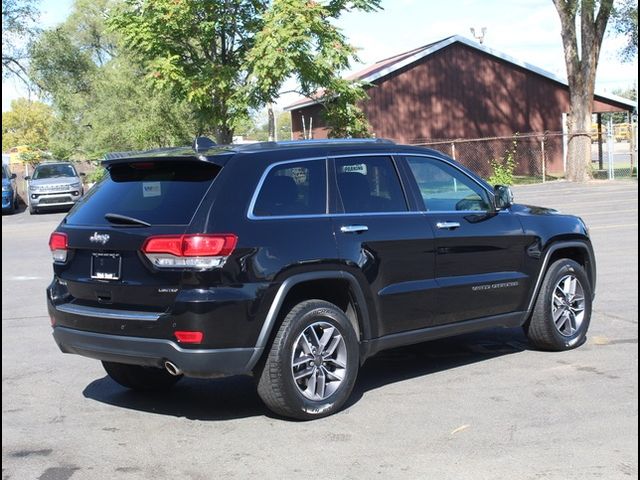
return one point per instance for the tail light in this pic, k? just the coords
(58, 244)
(197, 252)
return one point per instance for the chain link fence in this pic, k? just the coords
(614, 152)
(538, 157)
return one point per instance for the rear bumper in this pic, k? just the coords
(204, 363)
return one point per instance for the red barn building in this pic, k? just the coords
(457, 89)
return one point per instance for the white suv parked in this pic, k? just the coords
(54, 185)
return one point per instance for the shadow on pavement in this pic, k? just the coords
(236, 397)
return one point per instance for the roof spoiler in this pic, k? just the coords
(200, 144)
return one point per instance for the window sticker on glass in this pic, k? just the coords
(151, 189)
(357, 168)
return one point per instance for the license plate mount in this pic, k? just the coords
(106, 266)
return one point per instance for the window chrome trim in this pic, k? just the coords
(391, 154)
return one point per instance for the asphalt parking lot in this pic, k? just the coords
(481, 406)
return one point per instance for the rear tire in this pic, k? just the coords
(317, 345)
(562, 311)
(140, 378)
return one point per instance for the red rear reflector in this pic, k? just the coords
(192, 245)
(189, 336)
(58, 241)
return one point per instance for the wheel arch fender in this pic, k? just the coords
(554, 251)
(271, 320)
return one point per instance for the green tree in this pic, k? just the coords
(18, 28)
(283, 126)
(27, 123)
(226, 57)
(342, 112)
(625, 22)
(621, 117)
(581, 64)
(102, 99)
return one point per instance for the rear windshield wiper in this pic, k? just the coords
(124, 220)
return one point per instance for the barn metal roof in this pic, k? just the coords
(389, 65)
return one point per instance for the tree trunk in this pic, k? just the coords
(579, 144)
(582, 64)
(224, 135)
(272, 123)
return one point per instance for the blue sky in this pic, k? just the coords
(528, 30)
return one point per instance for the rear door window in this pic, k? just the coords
(159, 193)
(296, 188)
(369, 185)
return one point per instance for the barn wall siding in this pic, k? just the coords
(460, 92)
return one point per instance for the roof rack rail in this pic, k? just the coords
(338, 140)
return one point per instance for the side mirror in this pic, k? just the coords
(27, 177)
(82, 174)
(13, 176)
(503, 197)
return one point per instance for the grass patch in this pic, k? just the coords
(531, 179)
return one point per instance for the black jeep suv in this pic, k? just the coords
(297, 261)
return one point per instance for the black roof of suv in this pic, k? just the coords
(295, 261)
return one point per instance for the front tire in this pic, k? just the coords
(313, 362)
(562, 311)
(140, 378)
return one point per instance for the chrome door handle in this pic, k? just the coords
(448, 225)
(354, 228)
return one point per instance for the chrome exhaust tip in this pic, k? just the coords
(172, 368)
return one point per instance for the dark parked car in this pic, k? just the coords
(9, 191)
(54, 185)
(297, 261)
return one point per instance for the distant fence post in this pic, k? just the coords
(610, 157)
(633, 143)
(544, 166)
(565, 142)
(453, 150)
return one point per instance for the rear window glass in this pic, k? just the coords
(297, 188)
(162, 193)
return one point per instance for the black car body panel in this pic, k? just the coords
(407, 273)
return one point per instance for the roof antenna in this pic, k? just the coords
(479, 37)
(200, 144)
